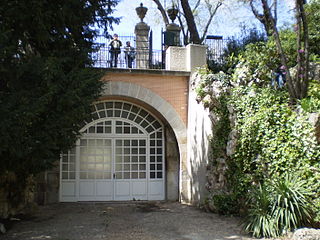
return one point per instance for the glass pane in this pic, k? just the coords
(126, 106)
(159, 174)
(65, 175)
(149, 129)
(124, 114)
(107, 142)
(102, 114)
(142, 167)
(126, 129)
(126, 167)
(150, 118)
(142, 150)
(126, 151)
(72, 167)
(83, 167)
(119, 175)
(134, 175)
(100, 106)
(118, 167)
(109, 113)
(99, 167)
(64, 167)
(126, 159)
(118, 105)
(134, 150)
(134, 167)
(99, 129)
(83, 175)
(107, 175)
(99, 175)
(109, 104)
(117, 113)
(152, 175)
(107, 167)
(90, 175)
(72, 175)
(118, 159)
(118, 150)
(143, 113)
(99, 142)
(118, 129)
(142, 175)
(92, 129)
(126, 175)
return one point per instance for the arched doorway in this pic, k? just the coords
(120, 156)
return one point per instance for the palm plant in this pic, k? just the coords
(278, 206)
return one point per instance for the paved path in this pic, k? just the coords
(124, 221)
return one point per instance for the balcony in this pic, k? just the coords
(143, 58)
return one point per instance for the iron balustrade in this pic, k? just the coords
(143, 58)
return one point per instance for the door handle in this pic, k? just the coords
(114, 176)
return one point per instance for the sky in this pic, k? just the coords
(227, 22)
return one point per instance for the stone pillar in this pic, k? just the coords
(142, 39)
(174, 29)
(186, 58)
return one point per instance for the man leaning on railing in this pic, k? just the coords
(115, 50)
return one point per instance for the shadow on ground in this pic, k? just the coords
(124, 221)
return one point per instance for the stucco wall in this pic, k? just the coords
(171, 87)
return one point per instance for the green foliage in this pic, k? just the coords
(259, 220)
(255, 64)
(278, 206)
(312, 102)
(313, 17)
(46, 87)
(225, 204)
(234, 47)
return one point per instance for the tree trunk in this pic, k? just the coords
(194, 35)
(162, 11)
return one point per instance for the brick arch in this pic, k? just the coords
(131, 90)
(125, 89)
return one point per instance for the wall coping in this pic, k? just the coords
(162, 72)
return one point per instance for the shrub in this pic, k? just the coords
(278, 206)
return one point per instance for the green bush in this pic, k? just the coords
(225, 204)
(278, 206)
(312, 102)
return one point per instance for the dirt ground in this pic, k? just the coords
(124, 221)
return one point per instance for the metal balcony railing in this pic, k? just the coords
(143, 59)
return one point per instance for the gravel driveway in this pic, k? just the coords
(124, 221)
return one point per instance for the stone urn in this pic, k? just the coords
(141, 11)
(172, 13)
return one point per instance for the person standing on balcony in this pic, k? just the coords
(129, 54)
(115, 50)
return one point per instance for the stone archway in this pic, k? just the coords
(130, 90)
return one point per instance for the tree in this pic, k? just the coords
(46, 84)
(297, 84)
(187, 16)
